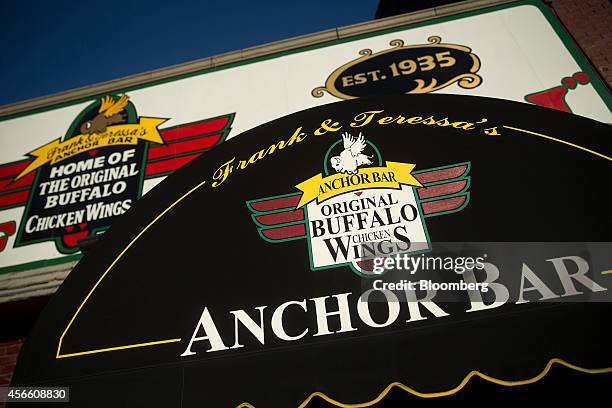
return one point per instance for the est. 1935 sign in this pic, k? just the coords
(411, 69)
(252, 277)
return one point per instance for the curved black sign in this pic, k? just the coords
(249, 277)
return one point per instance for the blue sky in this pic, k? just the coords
(52, 46)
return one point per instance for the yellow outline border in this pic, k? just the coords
(459, 387)
(151, 343)
(559, 141)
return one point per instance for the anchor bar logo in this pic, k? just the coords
(361, 206)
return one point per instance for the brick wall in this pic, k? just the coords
(590, 23)
(9, 351)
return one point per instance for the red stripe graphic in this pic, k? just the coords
(276, 203)
(289, 231)
(14, 168)
(194, 129)
(8, 184)
(19, 197)
(179, 147)
(281, 217)
(442, 174)
(173, 144)
(447, 204)
(164, 166)
(442, 189)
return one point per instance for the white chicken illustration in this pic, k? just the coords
(351, 157)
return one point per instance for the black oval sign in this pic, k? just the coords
(404, 69)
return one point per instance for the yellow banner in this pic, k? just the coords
(393, 175)
(128, 134)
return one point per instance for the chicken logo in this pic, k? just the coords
(351, 157)
(109, 113)
(362, 207)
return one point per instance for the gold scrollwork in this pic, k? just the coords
(467, 80)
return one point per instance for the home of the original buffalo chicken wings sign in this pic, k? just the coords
(69, 171)
(374, 251)
(79, 183)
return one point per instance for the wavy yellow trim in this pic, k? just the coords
(452, 391)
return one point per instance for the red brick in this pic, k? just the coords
(13, 349)
(12, 342)
(590, 23)
(7, 359)
(5, 379)
(7, 369)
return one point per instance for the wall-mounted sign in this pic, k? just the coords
(75, 186)
(511, 279)
(88, 177)
(408, 68)
(484, 53)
